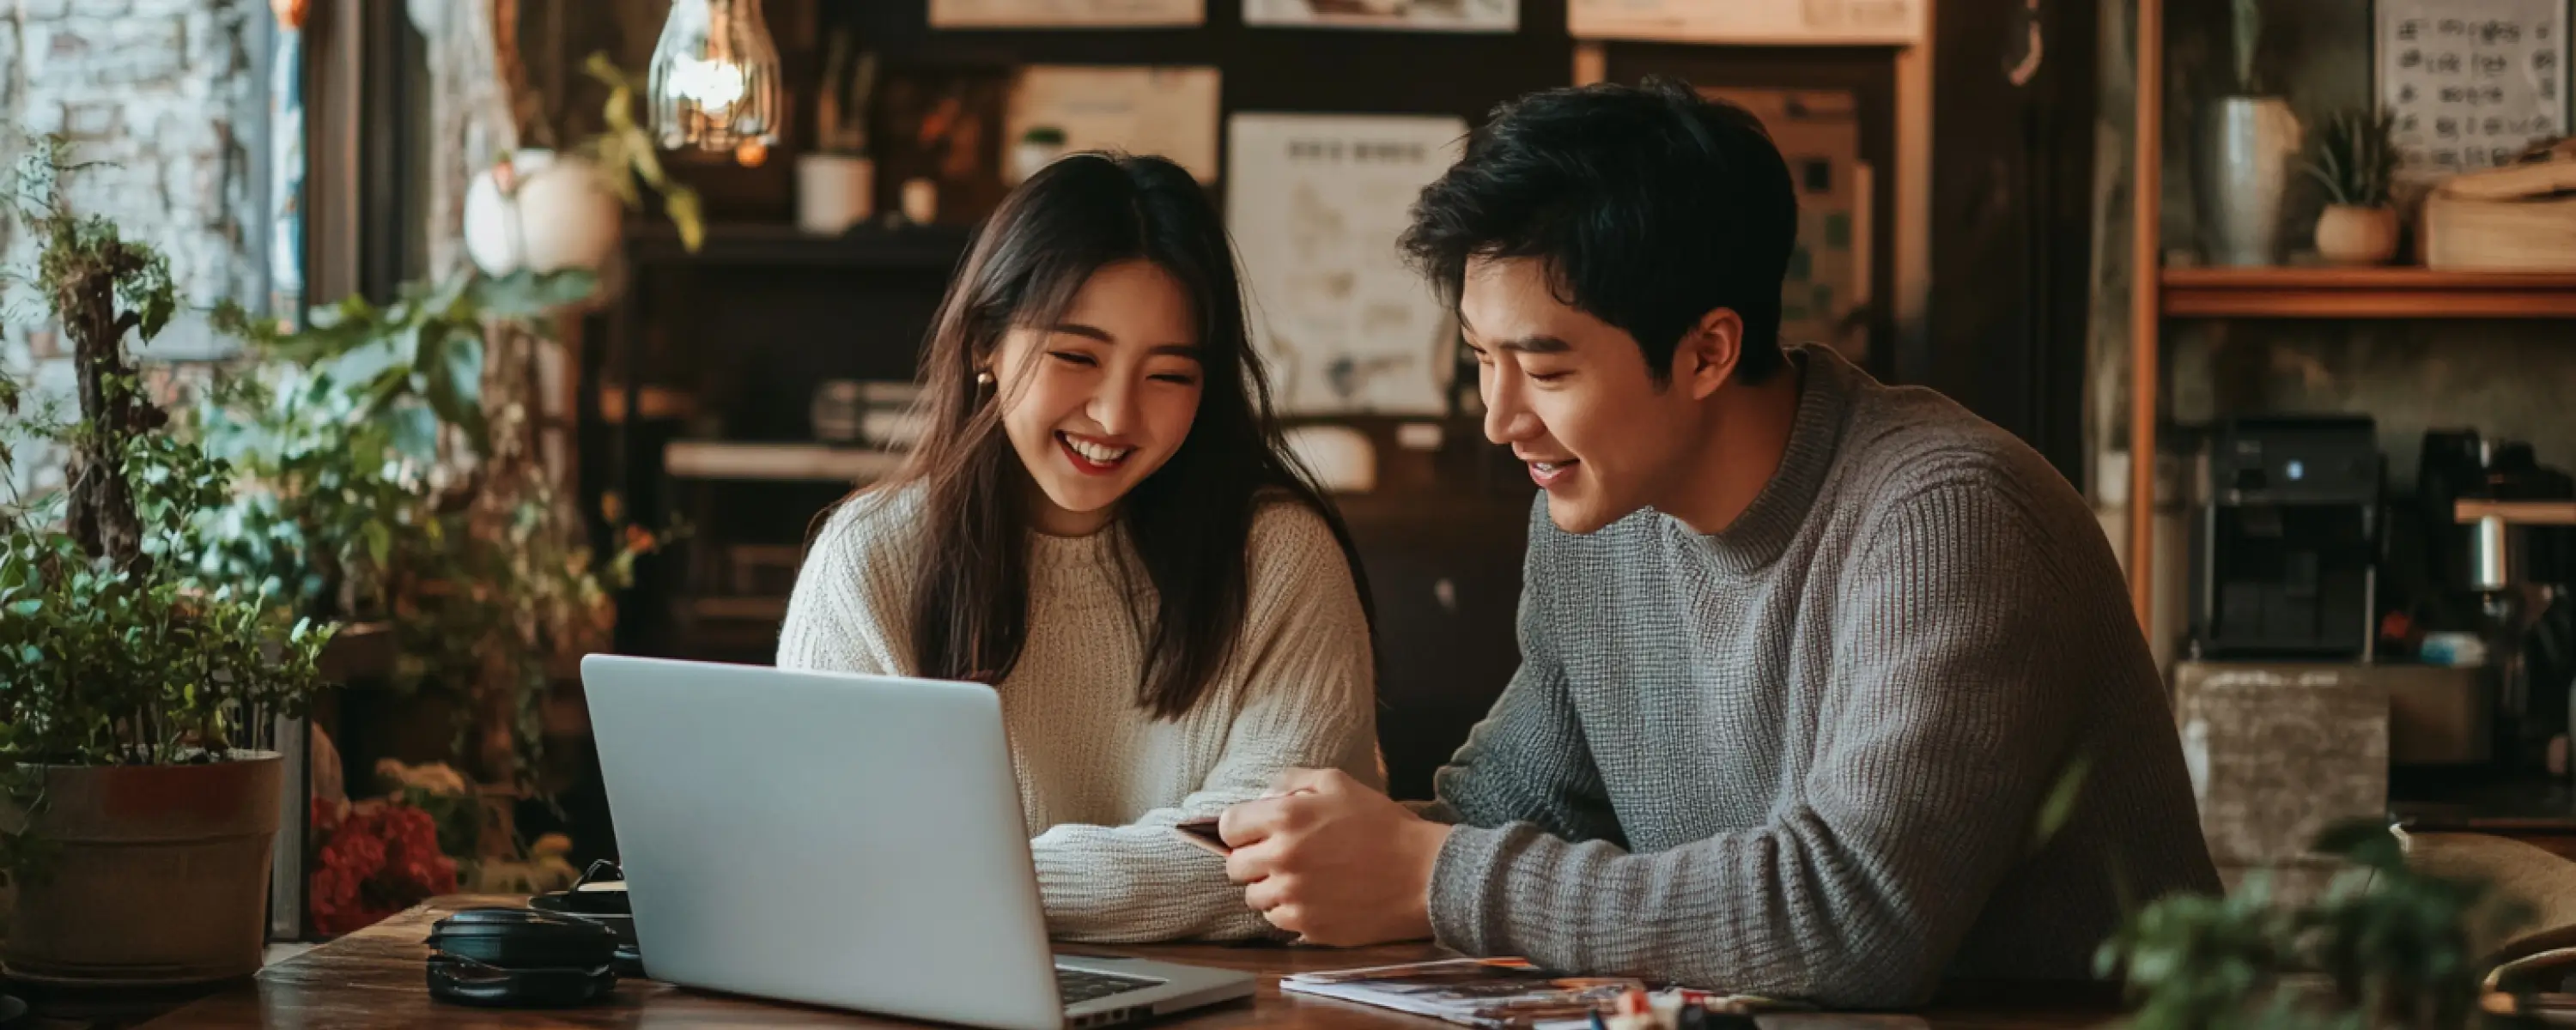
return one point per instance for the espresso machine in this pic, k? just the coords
(2503, 558)
(2285, 547)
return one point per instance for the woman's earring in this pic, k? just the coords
(984, 378)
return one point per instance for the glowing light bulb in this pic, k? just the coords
(715, 78)
(715, 85)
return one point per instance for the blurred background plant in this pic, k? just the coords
(2386, 946)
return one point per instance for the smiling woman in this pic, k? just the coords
(1101, 399)
(1101, 520)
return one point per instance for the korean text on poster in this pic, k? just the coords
(2471, 83)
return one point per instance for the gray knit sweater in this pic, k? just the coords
(1803, 757)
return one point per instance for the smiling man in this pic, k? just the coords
(1801, 653)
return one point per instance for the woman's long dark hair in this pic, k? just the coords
(1189, 523)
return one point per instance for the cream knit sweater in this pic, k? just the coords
(1101, 780)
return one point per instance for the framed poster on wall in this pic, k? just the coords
(1758, 22)
(2470, 83)
(1171, 111)
(1414, 15)
(1066, 14)
(1316, 203)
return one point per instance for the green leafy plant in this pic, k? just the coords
(2355, 158)
(626, 155)
(391, 457)
(388, 484)
(346, 427)
(841, 107)
(2385, 946)
(112, 650)
(2245, 36)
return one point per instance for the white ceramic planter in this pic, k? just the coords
(1028, 157)
(2248, 147)
(541, 212)
(834, 192)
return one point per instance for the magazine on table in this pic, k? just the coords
(1513, 994)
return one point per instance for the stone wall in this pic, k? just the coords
(170, 98)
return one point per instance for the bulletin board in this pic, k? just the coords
(1826, 294)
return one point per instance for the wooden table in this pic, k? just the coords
(374, 978)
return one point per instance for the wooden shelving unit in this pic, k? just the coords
(775, 462)
(2158, 293)
(2364, 293)
(2518, 513)
(934, 247)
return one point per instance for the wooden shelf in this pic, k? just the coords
(752, 245)
(2519, 513)
(2365, 293)
(775, 462)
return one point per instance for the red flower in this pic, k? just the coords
(375, 858)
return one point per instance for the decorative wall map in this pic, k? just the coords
(1786, 22)
(1316, 203)
(2471, 82)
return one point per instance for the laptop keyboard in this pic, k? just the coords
(1081, 985)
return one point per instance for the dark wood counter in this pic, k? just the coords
(2539, 812)
(374, 978)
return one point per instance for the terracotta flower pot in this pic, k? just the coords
(2348, 235)
(158, 874)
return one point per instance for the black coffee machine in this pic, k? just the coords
(2508, 584)
(2285, 549)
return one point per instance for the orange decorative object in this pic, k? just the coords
(291, 13)
(751, 153)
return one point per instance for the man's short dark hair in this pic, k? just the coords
(1650, 206)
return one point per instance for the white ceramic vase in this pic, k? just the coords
(834, 192)
(542, 212)
(2247, 149)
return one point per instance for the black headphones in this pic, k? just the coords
(521, 958)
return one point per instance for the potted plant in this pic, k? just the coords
(541, 211)
(137, 813)
(836, 181)
(1039, 147)
(2248, 139)
(2387, 946)
(396, 480)
(2355, 161)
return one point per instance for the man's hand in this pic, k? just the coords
(1333, 861)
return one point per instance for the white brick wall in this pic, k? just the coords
(170, 95)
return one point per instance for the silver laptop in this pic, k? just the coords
(848, 841)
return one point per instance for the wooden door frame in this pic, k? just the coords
(2012, 217)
